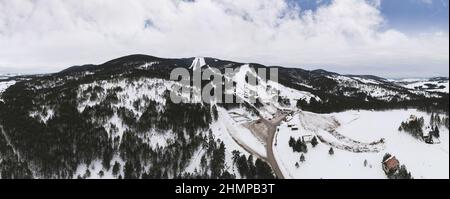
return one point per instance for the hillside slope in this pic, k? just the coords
(116, 120)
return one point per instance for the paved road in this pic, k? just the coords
(271, 131)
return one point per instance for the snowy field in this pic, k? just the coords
(241, 135)
(414, 84)
(424, 161)
(4, 85)
(441, 86)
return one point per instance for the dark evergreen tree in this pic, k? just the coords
(242, 166)
(87, 173)
(263, 170)
(436, 132)
(101, 173)
(116, 168)
(218, 157)
(291, 142)
(413, 126)
(331, 151)
(403, 173)
(251, 167)
(129, 171)
(314, 142)
(203, 164)
(236, 154)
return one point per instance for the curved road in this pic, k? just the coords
(271, 131)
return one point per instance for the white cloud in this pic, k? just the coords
(427, 1)
(345, 36)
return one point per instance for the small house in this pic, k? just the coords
(427, 137)
(288, 118)
(307, 138)
(412, 118)
(391, 165)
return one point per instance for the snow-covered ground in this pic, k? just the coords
(267, 91)
(366, 81)
(4, 85)
(239, 134)
(421, 159)
(441, 86)
(367, 86)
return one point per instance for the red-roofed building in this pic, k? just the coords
(391, 165)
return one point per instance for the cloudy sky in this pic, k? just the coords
(392, 38)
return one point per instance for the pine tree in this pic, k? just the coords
(446, 122)
(218, 161)
(291, 142)
(302, 104)
(432, 119)
(263, 170)
(302, 158)
(87, 174)
(236, 155)
(331, 151)
(165, 175)
(203, 163)
(304, 147)
(101, 173)
(107, 157)
(438, 120)
(129, 170)
(436, 132)
(402, 173)
(251, 167)
(215, 113)
(242, 166)
(314, 141)
(116, 168)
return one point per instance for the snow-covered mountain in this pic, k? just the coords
(117, 120)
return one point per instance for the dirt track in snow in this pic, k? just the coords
(268, 136)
